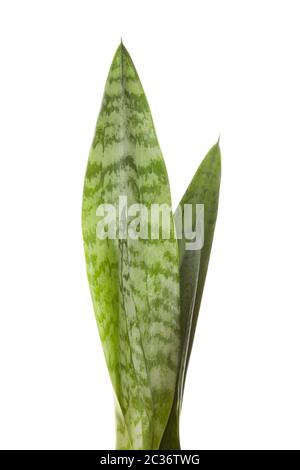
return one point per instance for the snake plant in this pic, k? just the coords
(146, 291)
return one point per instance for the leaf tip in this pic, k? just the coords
(122, 49)
(217, 148)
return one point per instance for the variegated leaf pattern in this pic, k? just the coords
(203, 189)
(134, 283)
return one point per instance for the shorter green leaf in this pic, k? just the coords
(203, 189)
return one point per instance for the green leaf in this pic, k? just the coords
(134, 283)
(203, 189)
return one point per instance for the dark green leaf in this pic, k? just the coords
(203, 189)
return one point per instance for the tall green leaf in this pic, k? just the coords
(203, 189)
(134, 283)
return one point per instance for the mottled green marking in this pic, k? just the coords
(134, 283)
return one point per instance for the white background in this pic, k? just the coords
(208, 68)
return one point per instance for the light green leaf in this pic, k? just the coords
(203, 189)
(134, 283)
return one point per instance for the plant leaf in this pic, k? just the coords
(203, 189)
(134, 283)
